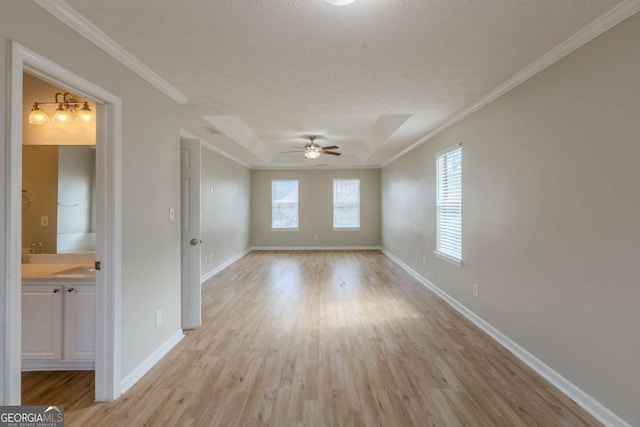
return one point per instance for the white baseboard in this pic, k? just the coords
(588, 403)
(315, 248)
(224, 265)
(148, 363)
(57, 365)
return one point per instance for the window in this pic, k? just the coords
(449, 204)
(284, 204)
(346, 203)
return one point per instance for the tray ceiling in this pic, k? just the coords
(373, 77)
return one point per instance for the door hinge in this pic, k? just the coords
(97, 266)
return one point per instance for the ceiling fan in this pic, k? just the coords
(312, 150)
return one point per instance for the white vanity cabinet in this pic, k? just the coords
(58, 322)
(42, 314)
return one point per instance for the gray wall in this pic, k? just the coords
(151, 171)
(225, 211)
(315, 209)
(550, 216)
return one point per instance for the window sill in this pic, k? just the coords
(346, 228)
(449, 259)
(285, 229)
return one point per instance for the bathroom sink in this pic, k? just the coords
(77, 270)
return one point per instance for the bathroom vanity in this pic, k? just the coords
(58, 316)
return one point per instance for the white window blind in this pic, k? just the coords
(449, 203)
(284, 204)
(346, 203)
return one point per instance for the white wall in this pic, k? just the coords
(151, 244)
(550, 216)
(315, 192)
(225, 211)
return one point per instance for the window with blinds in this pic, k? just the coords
(449, 204)
(284, 204)
(346, 203)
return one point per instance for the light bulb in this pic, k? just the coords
(37, 116)
(61, 116)
(85, 115)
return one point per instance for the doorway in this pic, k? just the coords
(108, 245)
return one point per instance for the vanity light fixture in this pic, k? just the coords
(340, 2)
(67, 107)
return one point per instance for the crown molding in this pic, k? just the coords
(89, 31)
(317, 167)
(605, 22)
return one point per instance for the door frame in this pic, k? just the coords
(108, 222)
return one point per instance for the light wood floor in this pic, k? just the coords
(321, 339)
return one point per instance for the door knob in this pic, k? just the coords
(194, 242)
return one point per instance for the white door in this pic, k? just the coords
(190, 153)
(79, 322)
(42, 322)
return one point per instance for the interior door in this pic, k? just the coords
(190, 152)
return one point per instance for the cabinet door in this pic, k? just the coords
(79, 322)
(42, 322)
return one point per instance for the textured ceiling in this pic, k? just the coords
(372, 77)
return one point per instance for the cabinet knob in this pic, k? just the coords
(55, 291)
(71, 289)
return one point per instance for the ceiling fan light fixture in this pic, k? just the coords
(340, 2)
(312, 154)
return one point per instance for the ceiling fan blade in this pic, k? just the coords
(331, 147)
(333, 153)
(296, 151)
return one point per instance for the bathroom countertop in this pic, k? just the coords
(66, 272)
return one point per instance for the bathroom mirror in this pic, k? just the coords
(58, 199)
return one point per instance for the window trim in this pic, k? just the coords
(283, 228)
(444, 256)
(333, 205)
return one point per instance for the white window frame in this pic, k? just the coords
(286, 228)
(447, 255)
(348, 228)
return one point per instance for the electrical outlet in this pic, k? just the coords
(315, 237)
(44, 221)
(416, 259)
(211, 256)
(475, 291)
(172, 214)
(158, 317)
(211, 190)
(424, 261)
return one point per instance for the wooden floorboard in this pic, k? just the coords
(329, 338)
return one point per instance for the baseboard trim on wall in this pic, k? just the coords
(588, 403)
(150, 361)
(316, 248)
(57, 365)
(224, 265)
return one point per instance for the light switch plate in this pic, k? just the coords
(44, 221)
